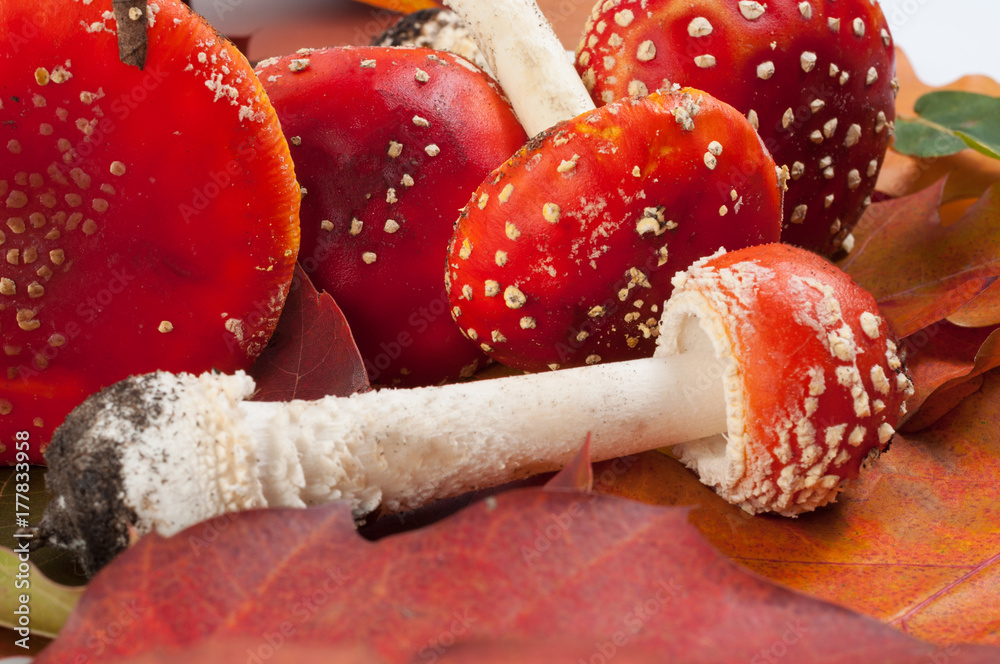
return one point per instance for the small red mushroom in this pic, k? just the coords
(771, 360)
(810, 370)
(148, 217)
(566, 252)
(388, 144)
(816, 78)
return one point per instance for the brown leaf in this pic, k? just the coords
(528, 567)
(944, 359)
(913, 542)
(132, 39)
(312, 353)
(941, 402)
(982, 311)
(919, 269)
(939, 354)
(578, 475)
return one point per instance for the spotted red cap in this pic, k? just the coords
(813, 384)
(148, 218)
(389, 143)
(817, 78)
(564, 254)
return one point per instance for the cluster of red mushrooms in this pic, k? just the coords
(625, 256)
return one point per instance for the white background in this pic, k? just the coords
(944, 39)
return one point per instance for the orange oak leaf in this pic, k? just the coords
(913, 542)
(919, 269)
(535, 575)
(982, 311)
(312, 353)
(947, 363)
(403, 6)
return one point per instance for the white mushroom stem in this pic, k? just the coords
(527, 59)
(403, 448)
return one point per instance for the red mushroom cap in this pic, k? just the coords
(388, 143)
(818, 78)
(149, 217)
(813, 383)
(564, 254)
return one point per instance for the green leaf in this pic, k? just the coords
(48, 603)
(57, 564)
(950, 121)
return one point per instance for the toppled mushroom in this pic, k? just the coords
(564, 254)
(800, 407)
(817, 78)
(149, 217)
(436, 28)
(388, 143)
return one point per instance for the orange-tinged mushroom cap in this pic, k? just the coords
(812, 380)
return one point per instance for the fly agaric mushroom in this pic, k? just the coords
(817, 78)
(149, 216)
(388, 143)
(800, 407)
(565, 252)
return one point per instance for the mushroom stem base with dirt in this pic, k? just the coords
(175, 450)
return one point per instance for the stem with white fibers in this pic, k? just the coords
(400, 449)
(527, 59)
